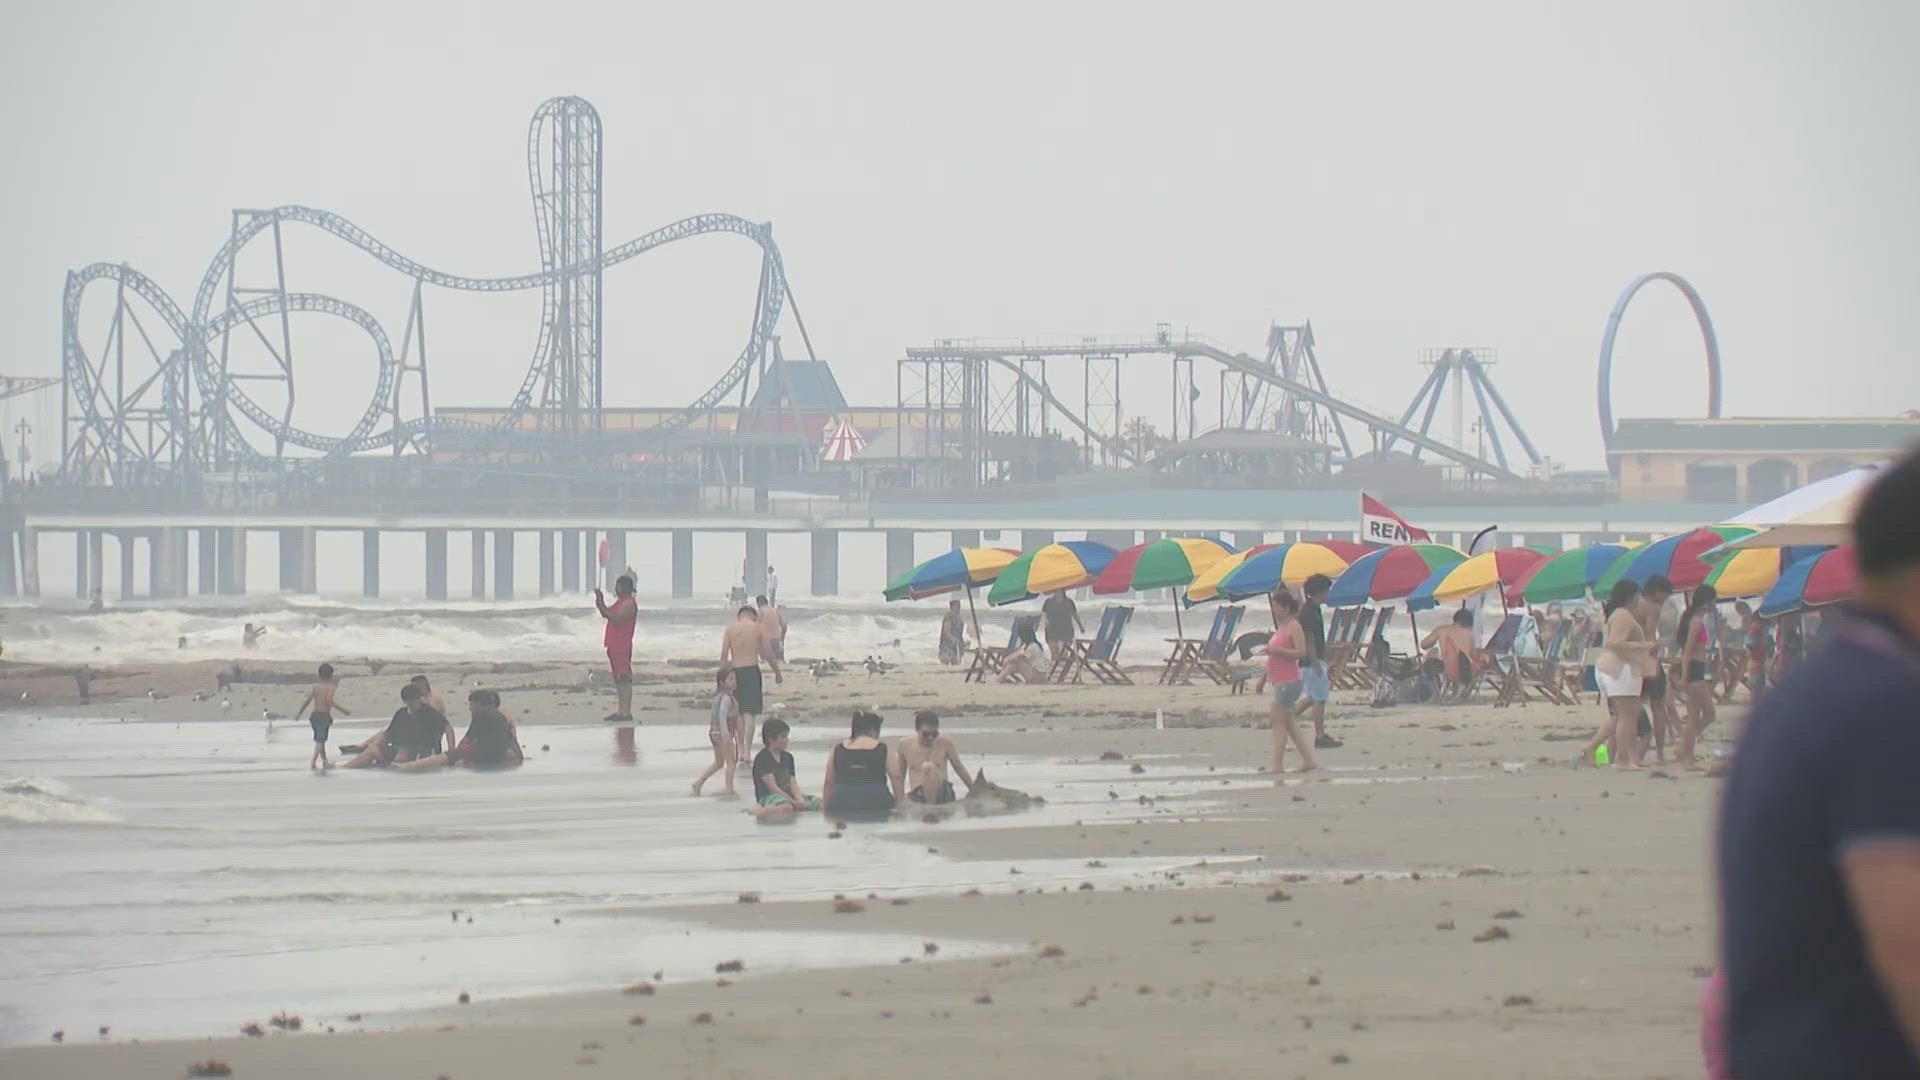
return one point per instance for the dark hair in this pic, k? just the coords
(1287, 601)
(1463, 617)
(772, 730)
(623, 579)
(720, 677)
(326, 671)
(1623, 593)
(1702, 598)
(418, 680)
(746, 609)
(1024, 631)
(924, 718)
(1317, 584)
(760, 600)
(479, 697)
(866, 722)
(1886, 527)
(411, 693)
(1657, 585)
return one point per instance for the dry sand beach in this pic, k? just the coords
(1446, 898)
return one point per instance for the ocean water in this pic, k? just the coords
(182, 879)
(309, 629)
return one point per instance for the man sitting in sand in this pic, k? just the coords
(324, 706)
(414, 732)
(742, 647)
(776, 784)
(919, 763)
(492, 740)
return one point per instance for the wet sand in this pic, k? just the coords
(1304, 946)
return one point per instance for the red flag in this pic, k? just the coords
(1380, 525)
(603, 551)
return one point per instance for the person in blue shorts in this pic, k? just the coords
(1314, 687)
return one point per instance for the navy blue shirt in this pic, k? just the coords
(1830, 761)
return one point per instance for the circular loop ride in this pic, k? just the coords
(1613, 327)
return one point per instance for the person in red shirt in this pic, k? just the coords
(621, 616)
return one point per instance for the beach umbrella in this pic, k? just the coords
(1391, 573)
(962, 568)
(1677, 558)
(1282, 564)
(1068, 564)
(1754, 571)
(1206, 584)
(1487, 570)
(1820, 513)
(1825, 578)
(1167, 563)
(1566, 576)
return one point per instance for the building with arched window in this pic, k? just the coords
(1747, 460)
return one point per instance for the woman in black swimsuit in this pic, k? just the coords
(856, 780)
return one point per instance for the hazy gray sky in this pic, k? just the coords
(1404, 175)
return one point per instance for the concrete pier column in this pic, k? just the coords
(167, 564)
(1247, 538)
(1117, 539)
(479, 565)
(682, 563)
(180, 561)
(9, 580)
(126, 564)
(230, 551)
(298, 557)
(966, 538)
(616, 558)
(546, 562)
(899, 552)
(96, 563)
(1033, 538)
(570, 561)
(503, 564)
(370, 563)
(436, 564)
(157, 585)
(30, 562)
(756, 565)
(826, 562)
(209, 562)
(80, 549)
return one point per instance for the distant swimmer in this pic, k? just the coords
(321, 697)
(492, 740)
(250, 635)
(773, 627)
(622, 616)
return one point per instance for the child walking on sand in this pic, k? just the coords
(722, 730)
(321, 698)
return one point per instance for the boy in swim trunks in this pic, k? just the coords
(324, 706)
(919, 762)
(776, 784)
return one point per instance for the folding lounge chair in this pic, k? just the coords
(987, 659)
(1183, 652)
(1099, 654)
(1212, 659)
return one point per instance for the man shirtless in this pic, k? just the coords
(773, 627)
(919, 762)
(321, 698)
(742, 647)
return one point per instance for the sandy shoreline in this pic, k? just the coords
(1608, 874)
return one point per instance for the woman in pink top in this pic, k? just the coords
(1284, 651)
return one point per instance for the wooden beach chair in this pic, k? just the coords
(1096, 654)
(1343, 654)
(987, 658)
(1214, 658)
(1543, 672)
(1502, 671)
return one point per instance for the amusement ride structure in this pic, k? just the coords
(159, 397)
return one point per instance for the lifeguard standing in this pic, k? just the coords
(621, 615)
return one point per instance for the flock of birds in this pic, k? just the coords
(828, 668)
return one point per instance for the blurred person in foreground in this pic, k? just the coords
(1819, 835)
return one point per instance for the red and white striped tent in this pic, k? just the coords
(840, 441)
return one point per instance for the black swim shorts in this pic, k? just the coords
(747, 690)
(322, 723)
(946, 794)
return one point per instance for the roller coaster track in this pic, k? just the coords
(103, 414)
(1235, 362)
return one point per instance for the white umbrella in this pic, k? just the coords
(1819, 513)
(842, 441)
